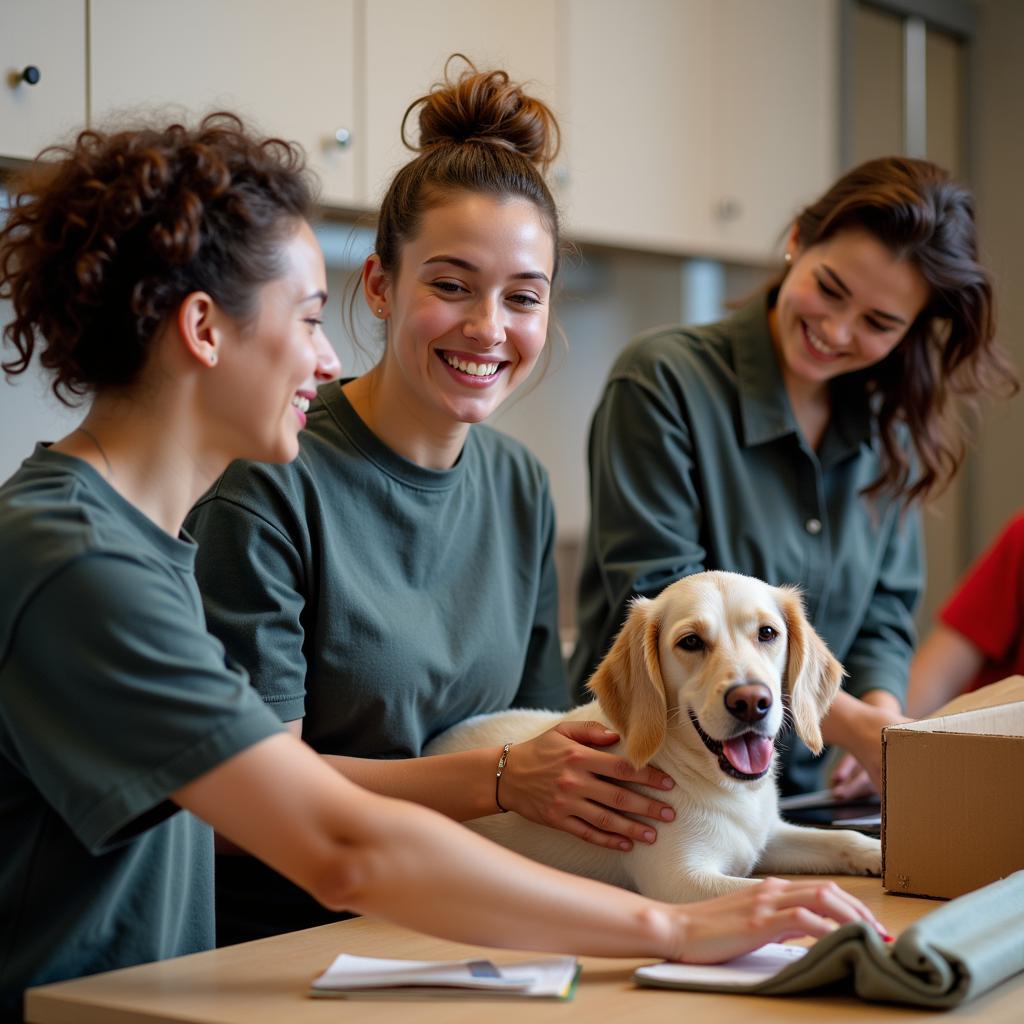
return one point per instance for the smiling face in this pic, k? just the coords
(268, 369)
(844, 305)
(467, 310)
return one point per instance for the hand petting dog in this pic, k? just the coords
(577, 798)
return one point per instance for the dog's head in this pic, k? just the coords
(722, 655)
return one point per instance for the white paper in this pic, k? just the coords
(805, 801)
(758, 966)
(865, 821)
(550, 976)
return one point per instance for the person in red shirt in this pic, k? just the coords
(979, 638)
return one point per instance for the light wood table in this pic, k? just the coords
(267, 981)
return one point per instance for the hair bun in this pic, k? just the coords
(484, 107)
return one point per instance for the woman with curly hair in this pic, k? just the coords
(172, 276)
(795, 440)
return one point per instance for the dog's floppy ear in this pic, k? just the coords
(812, 674)
(629, 686)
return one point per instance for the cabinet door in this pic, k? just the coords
(407, 43)
(639, 100)
(48, 35)
(776, 129)
(287, 67)
(699, 126)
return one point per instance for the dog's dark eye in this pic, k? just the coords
(766, 634)
(691, 642)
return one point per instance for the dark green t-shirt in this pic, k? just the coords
(696, 462)
(112, 696)
(379, 601)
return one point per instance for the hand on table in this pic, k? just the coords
(773, 911)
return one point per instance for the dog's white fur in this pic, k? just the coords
(647, 687)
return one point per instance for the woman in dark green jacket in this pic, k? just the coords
(796, 439)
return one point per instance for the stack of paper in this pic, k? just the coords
(362, 976)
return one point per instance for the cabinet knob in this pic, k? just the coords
(31, 74)
(728, 209)
(342, 138)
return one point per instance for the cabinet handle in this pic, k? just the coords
(728, 209)
(31, 75)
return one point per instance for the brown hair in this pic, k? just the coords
(107, 235)
(479, 133)
(922, 215)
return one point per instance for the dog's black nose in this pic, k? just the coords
(749, 702)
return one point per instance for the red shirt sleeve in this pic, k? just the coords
(988, 606)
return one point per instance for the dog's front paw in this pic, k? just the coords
(860, 854)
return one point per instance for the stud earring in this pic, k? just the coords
(213, 358)
(789, 257)
(380, 311)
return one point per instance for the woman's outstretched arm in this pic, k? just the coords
(356, 850)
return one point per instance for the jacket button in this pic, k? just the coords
(813, 526)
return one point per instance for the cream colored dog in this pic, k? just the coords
(697, 682)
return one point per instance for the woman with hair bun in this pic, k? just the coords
(172, 276)
(399, 576)
(795, 440)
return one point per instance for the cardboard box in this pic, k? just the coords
(953, 795)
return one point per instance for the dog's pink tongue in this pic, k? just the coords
(749, 753)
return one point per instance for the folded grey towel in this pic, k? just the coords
(953, 954)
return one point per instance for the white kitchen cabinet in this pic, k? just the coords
(49, 37)
(776, 124)
(407, 43)
(698, 126)
(636, 131)
(288, 67)
(689, 126)
(304, 70)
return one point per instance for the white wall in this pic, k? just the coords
(604, 301)
(28, 412)
(998, 160)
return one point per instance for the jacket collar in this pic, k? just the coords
(764, 406)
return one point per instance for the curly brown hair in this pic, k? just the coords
(926, 217)
(104, 238)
